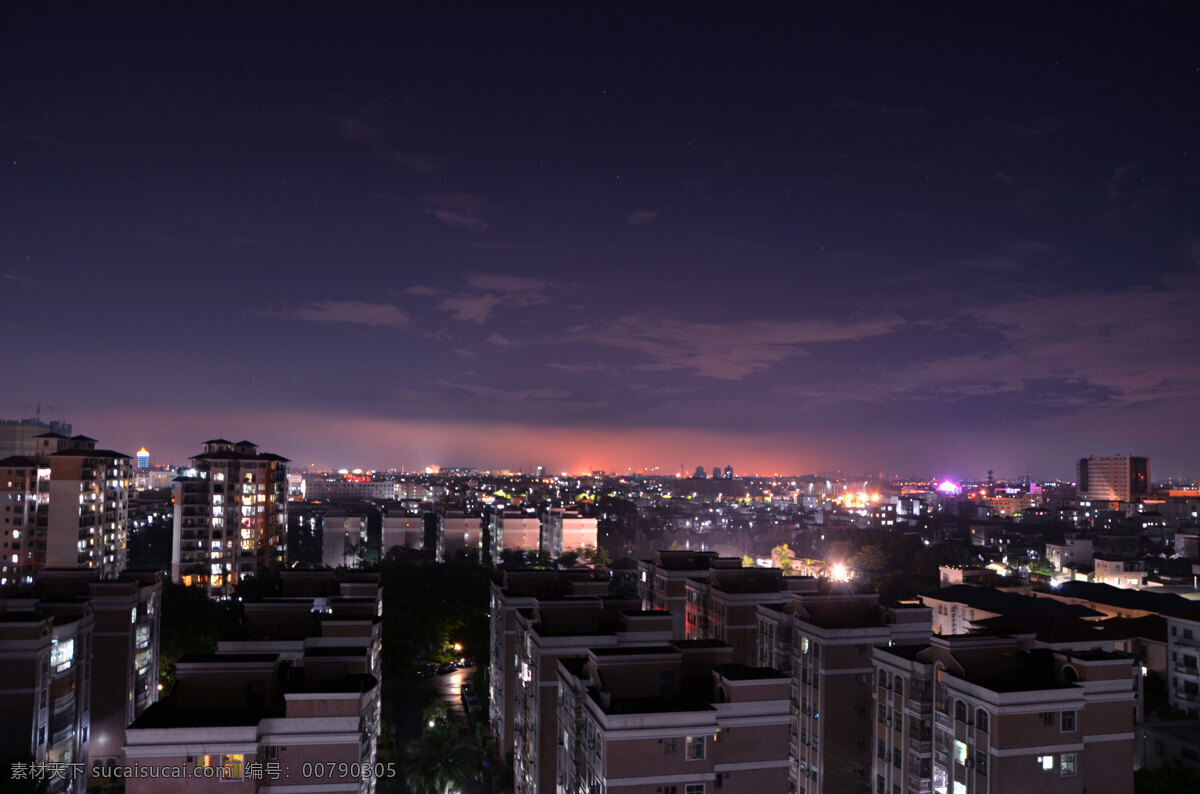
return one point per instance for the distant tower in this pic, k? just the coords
(700, 475)
(729, 472)
(143, 458)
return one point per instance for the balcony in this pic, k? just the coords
(921, 744)
(942, 719)
(920, 706)
(922, 784)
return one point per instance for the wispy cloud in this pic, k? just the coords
(457, 210)
(483, 293)
(423, 290)
(641, 217)
(470, 307)
(729, 351)
(507, 395)
(363, 133)
(16, 278)
(1085, 350)
(353, 312)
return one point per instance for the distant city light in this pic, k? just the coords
(839, 573)
(949, 487)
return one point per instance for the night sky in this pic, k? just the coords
(901, 238)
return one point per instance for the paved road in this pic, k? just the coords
(402, 710)
(449, 687)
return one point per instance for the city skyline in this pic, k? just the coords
(868, 239)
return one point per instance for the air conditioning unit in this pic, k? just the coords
(888, 723)
(970, 763)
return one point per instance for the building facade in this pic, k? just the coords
(230, 515)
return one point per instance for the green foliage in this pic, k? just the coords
(427, 608)
(1172, 777)
(598, 556)
(784, 559)
(441, 760)
(191, 624)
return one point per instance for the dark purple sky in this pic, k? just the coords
(898, 238)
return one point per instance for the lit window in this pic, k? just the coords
(960, 752)
(231, 765)
(1047, 762)
(1068, 765)
(695, 748)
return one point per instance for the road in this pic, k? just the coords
(449, 688)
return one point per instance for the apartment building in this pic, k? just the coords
(1119, 571)
(46, 655)
(676, 718)
(723, 606)
(990, 713)
(832, 636)
(343, 537)
(545, 633)
(126, 617)
(563, 530)
(18, 520)
(241, 722)
(957, 607)
(662, 581)
(230, 515)
(66, 505)
(520, 591)
(1183, 670)
(1074, 549)
(114, 662)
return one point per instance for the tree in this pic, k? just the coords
(747, 561)
(784, 559)
(871, 560)
(1170, 778)
(440, 761)
(598, 556)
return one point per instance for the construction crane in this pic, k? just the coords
(37, 408)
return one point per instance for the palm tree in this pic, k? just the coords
(440, 761)
(812, 567)
(784, 558)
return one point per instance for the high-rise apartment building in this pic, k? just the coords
(46, 655)
(64, 506)
(831, 637)
(230, 515)
(85, 523)
(1116, 478)
(973, 714)
(677, 717)
(18, 514)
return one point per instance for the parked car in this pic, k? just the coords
(427, 671)
(445, 668)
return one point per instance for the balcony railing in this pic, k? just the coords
(921, 745)
(922, 784)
